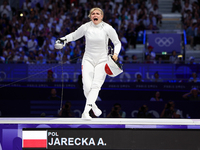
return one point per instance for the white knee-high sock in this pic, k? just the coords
(91, 98)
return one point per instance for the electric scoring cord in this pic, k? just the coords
(62, 78)
(62, 89)
(44, 70)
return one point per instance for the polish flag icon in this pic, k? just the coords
(34, 139)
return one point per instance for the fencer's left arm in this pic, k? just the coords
(112, 34)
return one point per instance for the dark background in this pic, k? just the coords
(23, 101)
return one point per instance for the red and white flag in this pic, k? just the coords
(34, 139)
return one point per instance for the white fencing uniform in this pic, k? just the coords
(95, 57)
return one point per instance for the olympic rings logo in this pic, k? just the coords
(164, 41)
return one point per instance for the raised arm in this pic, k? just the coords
(60, 43)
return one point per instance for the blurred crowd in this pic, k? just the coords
(28, 34)
(191, 21)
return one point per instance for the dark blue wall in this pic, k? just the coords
(23, 100)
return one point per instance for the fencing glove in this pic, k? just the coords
(60, 43)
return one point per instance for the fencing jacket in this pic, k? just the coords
(96, 37)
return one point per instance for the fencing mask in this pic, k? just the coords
(113, 68)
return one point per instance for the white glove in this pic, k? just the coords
(64, 40)
(60, 43)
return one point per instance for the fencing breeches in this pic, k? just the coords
(93, 76)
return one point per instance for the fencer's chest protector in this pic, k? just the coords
(96, 41)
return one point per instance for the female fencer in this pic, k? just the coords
(97, 33)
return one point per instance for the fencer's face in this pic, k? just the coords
(96, 17)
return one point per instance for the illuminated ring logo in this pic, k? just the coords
(2, 75)
(125, 75)
(164, 41)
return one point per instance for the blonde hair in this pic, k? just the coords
(95, 8)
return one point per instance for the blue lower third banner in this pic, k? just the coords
(98, 136)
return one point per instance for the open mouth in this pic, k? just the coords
(95, 19)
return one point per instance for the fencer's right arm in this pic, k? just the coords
(77, 34)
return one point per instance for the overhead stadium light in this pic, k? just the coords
(180, 56)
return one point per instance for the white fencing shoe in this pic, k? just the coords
(86, 116)
(97, 111)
